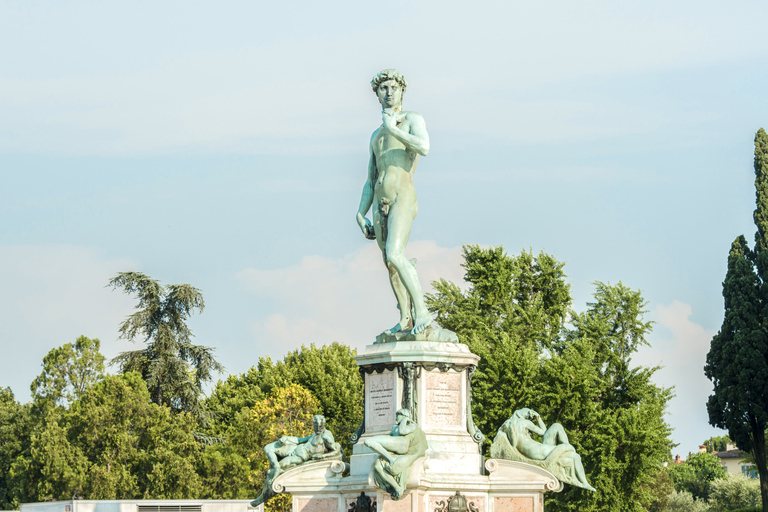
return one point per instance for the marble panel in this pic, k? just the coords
(403, 505)
(443, 401)
(380, 401)
(516, 504)
(317, 505)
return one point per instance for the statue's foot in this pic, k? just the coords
(402, 325)
(421, 323)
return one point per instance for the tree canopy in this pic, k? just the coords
(737, 362)
(697, 473)
(513, 314)
(68, 371)
(172, 366)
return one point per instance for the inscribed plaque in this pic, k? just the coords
(443, 404)
(380, 401)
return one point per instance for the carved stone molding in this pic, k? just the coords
(443, 367)
(477, 436)
(379, 367)
(456, 503)
(409, 373)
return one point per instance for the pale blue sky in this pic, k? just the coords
(225, 146)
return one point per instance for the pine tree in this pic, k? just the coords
(173, 367)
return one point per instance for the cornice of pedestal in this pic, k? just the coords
(434, 354)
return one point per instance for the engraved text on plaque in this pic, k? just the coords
(380, 406)
(443, 404)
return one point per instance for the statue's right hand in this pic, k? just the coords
(366, 227)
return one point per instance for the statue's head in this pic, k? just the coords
(389, 86)
(318, 422)
(526, 413)
(402, 412)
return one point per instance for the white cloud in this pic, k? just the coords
(50, 296)
(348, 300)
(681, 346)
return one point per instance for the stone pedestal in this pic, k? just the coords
(433, 381)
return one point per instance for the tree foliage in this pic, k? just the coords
(15, 426)
(717, 443)
(112, 443)
(271, 399)
(734, 492)
(329, 373)
(513, 315)
(237, 468)
(737, 362)
(697, 473)
(172, 366)
(68, 371)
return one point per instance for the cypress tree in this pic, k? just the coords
(737, 362)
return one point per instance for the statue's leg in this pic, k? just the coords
(554, 435)
(385, 480)
(399, 230)
(403, 300)
(271, 450)
(581, 475)
(387, 445)
(401, 295)
(291, 460)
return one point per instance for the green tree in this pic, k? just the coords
(173, 367)
(512, 311)
(717, 443)
(329, 373)
(697, 473)
(231, 397)
(524, 296)
(734, 492)
(513, 316)
(237, 468)
(15, 426)
(612, 411)
(112, 443)
(737, 362)
(68, 371)
(52, 468)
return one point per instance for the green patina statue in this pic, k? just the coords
(394, 152)
(553, 453)
(397, 453)
(289, 451)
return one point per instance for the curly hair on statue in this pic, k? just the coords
(388, 74)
